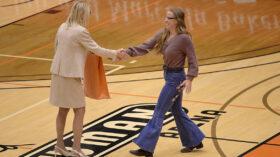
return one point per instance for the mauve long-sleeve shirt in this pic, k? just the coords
(174, 52)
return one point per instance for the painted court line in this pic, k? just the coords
(193, 101)
(27, 53)
(28, 148)
(25, 109)
(19, 84)
(40, 102)
(154, 97)
(119, 67)
(23, 57)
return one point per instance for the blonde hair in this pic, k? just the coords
(79, 14)
(181, 28)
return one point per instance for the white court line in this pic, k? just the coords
(133, 61)
(245, 1)
(34, 58)
(40, 102)
(119, 67)
(25, 109)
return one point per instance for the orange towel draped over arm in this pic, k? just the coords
(95, 84)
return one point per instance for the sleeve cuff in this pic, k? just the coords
(128, 52)
(114, 58)
(190, 78)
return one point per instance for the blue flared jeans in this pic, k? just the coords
(190, 134)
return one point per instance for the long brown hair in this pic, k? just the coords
(181, 28)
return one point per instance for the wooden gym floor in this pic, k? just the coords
(234, 100)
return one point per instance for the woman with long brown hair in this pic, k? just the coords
(175, 44)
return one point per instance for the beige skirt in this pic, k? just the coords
(67, 92)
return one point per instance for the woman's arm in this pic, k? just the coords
(189, 50)
(86, 40)
(143, 48)
(191, 56)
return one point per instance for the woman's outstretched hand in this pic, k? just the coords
(122, 55)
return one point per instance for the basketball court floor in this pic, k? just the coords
(234, 100)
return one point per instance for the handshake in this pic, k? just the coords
(122, 55)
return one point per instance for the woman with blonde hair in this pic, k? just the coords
(72, 43)
(175, 44)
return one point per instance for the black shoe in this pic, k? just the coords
(141, 152)
(189, 149)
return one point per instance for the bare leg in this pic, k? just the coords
(60, 125)
(78, 127)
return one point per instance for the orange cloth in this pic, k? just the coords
(95, 84)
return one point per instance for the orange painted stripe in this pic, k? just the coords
(154, 97)
(25, 148)
(259, 108)
(134, 95)
(27, 53)
(90, 28)
(202, 102)
(212, 103)
(19, 84)
(275, 140)
(265, 151)
(157, 98)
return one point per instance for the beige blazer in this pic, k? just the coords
(71, 48)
